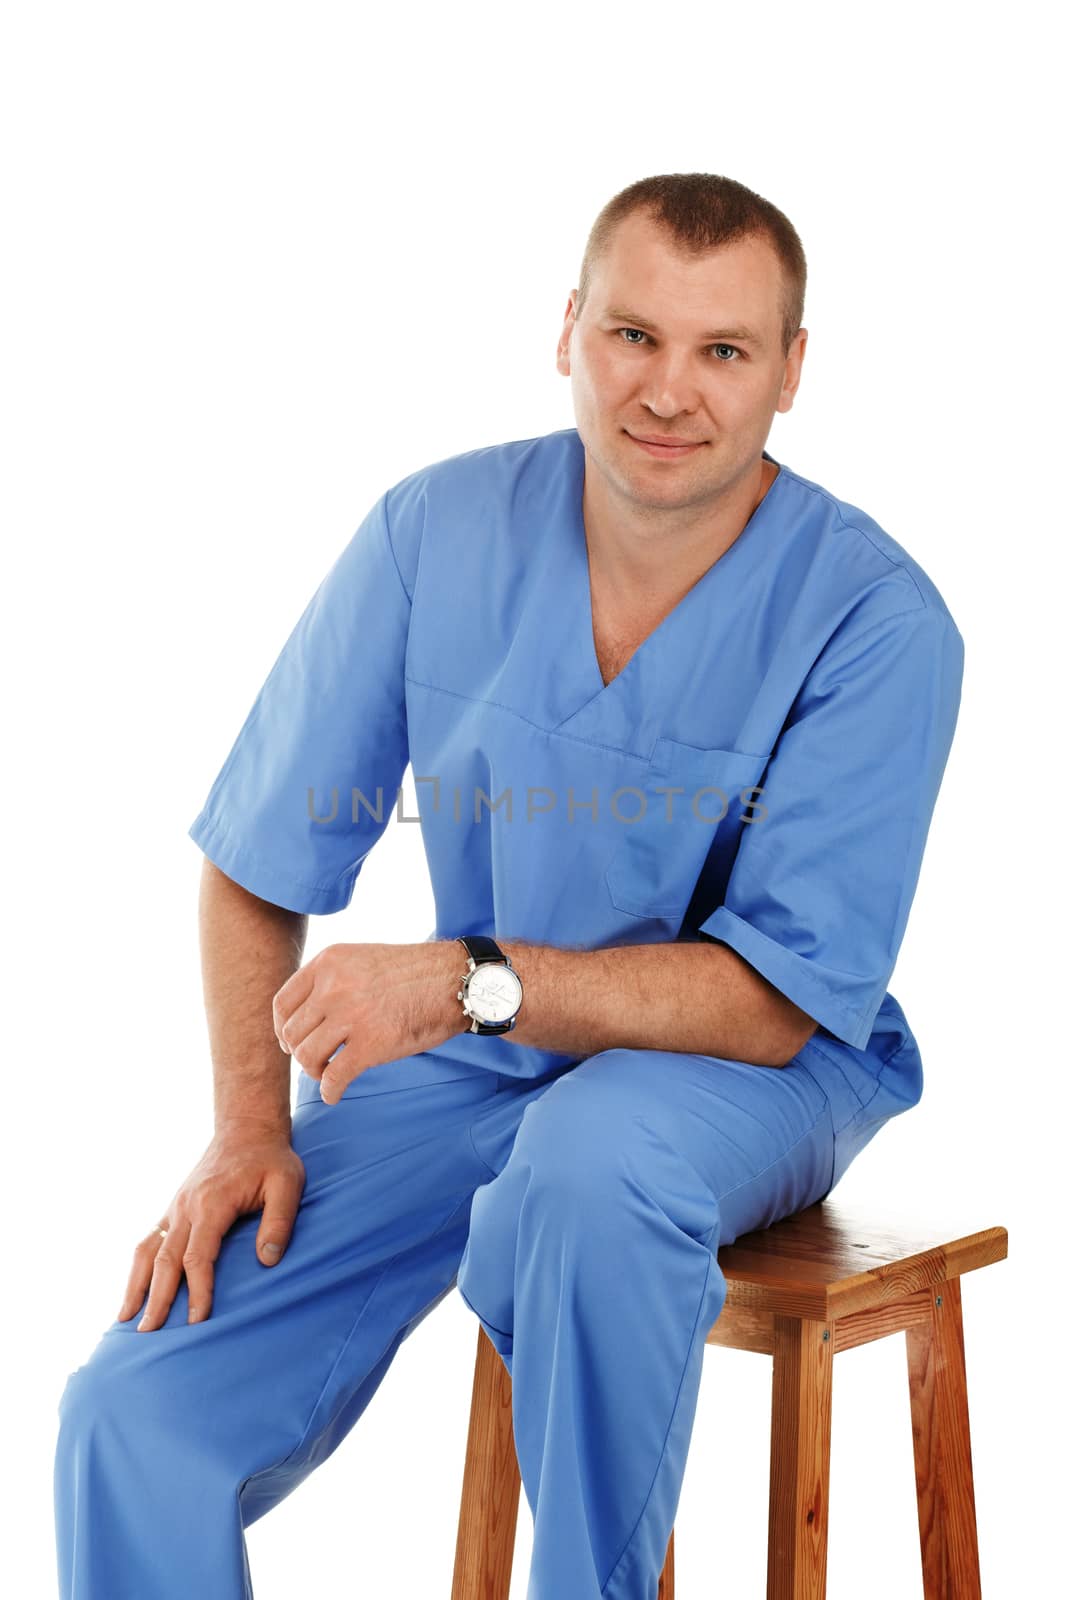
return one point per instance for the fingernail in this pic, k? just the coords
(272, 1250)
(141, 1324)
(194, 1315)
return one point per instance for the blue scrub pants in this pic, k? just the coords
(579, 1214)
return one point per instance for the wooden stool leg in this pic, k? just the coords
(941, 1436)
(666, 1577)
(801, 1390)
(489, 1507)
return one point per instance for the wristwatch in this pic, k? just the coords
(492, 990)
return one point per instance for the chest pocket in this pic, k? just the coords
(655, 866)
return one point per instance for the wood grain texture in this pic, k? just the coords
(941, 1440)
(827, 1279)
(801, 1391)
(829, 1261)
(489, 1507)
(666, 1577)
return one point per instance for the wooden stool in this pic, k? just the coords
(817, 1282)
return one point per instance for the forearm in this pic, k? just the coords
(699, 997)
(248, 949)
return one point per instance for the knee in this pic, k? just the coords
(93, 1394)
(568, 1156)
(585, 1161)
(78, 1410)
(546, 1187)
(128, 1391)
(75, 1399)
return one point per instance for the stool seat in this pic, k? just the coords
(826, 1279)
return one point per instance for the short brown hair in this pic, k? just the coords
(700, 211)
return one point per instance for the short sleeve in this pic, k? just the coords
(312, 778)
(822, 883)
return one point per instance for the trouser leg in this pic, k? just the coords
(171, 1442)
(591, 1263)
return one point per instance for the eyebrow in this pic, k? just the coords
(631, 317)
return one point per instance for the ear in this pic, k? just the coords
(794, 361)
(563, 349)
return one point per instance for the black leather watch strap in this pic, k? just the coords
(481, 948)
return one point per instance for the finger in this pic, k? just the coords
(166, 1276)
(293, 992)
(280, 1206)
(341, 1069)
(140, 1277)
(201, 1253)
(304, 1020)
(321, 1044)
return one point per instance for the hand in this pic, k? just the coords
(354, 1006)
(246, 1167)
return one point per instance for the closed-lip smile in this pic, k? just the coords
(657, 441)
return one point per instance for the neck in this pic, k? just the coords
(644, 559)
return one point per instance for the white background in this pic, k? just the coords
(260, 263)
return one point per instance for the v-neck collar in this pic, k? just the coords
(590, 666)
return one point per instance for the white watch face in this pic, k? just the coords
(494, 992)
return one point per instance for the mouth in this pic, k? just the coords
(667, 449)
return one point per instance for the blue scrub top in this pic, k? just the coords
(762, 772)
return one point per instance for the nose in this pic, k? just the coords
(668, 388)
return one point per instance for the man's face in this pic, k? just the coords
(685, 348)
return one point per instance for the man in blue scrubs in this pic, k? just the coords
(677, 717)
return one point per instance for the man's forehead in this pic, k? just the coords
(743, 282)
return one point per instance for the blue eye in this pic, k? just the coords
(727, 363)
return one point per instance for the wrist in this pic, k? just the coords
(531, 962)
(250, 1126)
(440, 1013)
